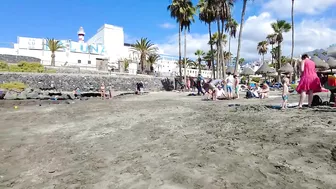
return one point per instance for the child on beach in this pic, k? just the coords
(285, 93)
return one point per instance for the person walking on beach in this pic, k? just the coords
(229, 85)
(284, 95)
(309, 81)
(199, 84)
(102, 91)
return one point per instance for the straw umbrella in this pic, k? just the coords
(332, 51)
(265, 70)
(247, 71)
(287, 68)
(332, 63)
(319, 63)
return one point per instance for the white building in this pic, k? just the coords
(106, 46)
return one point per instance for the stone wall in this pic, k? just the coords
(86, 82)
(16, 59)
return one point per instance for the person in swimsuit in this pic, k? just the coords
(285, 93)
(102, 91)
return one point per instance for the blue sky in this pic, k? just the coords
(61, 19)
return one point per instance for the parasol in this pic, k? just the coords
(287, 68)
(319, 63)
(247, 71)
(331, 62)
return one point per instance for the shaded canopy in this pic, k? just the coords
(331, 51)
(287, 68)
(319, 63)
(230, 70)
(265, 69)
(247, 71)
(331, 62)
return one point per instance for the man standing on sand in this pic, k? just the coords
(199, 84)
(229, 85)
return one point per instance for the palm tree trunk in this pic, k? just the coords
(222, 49)
(240, 34)
(199, 65)
(185, 56)
(229, 62)
(220, 52)
(279, 56)
(52, 59)
(263, 58)
(292, 53)
(180, 53)
(212, 54)
(272, 57)
(217, 62)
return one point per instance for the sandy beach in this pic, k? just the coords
(166, 140)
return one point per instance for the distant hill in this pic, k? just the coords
(321, 53)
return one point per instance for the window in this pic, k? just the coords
(79, 61)
(89, 62)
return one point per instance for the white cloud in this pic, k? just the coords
(167, 25)
(309, 35)
(283, 8)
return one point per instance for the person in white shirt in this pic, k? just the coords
(229, 85)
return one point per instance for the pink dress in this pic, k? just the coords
(309, 79)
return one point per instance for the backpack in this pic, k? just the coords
(249, 94)
(317, 101)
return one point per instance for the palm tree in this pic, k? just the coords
(271, 39)
(292, 53)
(145, 47)
(207, 15)
(208, 58)
(231, 27)
(279, 27)
(54, 45)
(152, 59)
(199, 54)
(188, 18)
(182, 11)
(216, 39)
(175, 12)
(240, 32)
(262, 49)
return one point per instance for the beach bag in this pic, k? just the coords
(249, 94)
(317, 101)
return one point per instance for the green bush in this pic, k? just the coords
(25, 67)
(13, 85)
(256, 79)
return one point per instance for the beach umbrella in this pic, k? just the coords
(331, 51)
(230, 70)
(331, 62)
(319, 63)
(287, 68)
(247, 71)
(265, 69)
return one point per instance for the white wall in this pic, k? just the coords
(61, 57)
(112, 37)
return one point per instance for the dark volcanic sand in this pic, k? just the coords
(166, 141)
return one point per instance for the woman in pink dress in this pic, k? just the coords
(309, 82)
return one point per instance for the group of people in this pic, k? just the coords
(217, 88)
